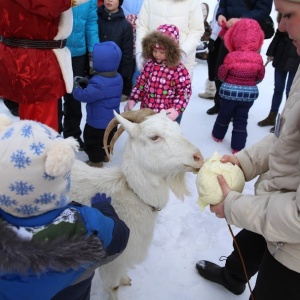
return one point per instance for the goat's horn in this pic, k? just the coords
(136, 116)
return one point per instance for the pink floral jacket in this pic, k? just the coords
(159, 87)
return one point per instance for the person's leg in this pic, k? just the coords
(212, 60)
(240, 121)
(178, 120)
(78, 291)
(93, 144)
(279, 86)
(44, 112)
(221, 55)
(12, 106)
(210, 86)
(72, 108)
(222, 122)
(232, 276)
(60, 115)
(275, 281)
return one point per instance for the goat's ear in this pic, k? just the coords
(130, 128)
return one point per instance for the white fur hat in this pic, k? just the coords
(35, 164)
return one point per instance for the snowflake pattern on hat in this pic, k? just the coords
(25, 188)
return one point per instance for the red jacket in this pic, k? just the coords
(30, 75)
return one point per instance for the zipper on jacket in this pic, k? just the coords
(278, 246)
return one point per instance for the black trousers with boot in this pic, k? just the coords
(274, 280)
(71, 107)
(93, 141)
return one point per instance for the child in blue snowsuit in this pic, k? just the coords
(49, 247)
(102, 95)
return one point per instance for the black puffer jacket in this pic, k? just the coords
(114, 27)
(284, 53)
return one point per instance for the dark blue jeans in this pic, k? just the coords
(238, 112)
(282, 80)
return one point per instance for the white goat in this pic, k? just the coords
(155, 160)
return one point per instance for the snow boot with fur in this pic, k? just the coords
(210, 90)
(269, 120)
(220, 275)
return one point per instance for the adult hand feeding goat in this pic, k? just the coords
(155, 160)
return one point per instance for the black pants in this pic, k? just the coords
(127, 81)
(79, 291)
(11, 105)
(93, 141)
(274, 281)
(220, 59)
(72, 108)
(212, 60)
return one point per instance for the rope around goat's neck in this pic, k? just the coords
(242, 260)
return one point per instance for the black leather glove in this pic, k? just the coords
(211, 45)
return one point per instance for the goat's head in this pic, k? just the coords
(155, 142)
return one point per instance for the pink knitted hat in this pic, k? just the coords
(169, 30)
(245, 35)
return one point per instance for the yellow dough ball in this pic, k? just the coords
(207, 183)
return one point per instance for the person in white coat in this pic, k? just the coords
(185, 14)
(270, 242)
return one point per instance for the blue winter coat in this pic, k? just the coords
(85, 29)
(104, 90)
(238, 9)
(64, 264)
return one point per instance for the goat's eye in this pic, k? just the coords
(154, 138)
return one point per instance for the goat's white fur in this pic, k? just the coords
(155, 160)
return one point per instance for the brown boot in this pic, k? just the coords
(95, 164)
(269, 120)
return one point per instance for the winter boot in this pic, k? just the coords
(217, 274)
(210, 90)
(269, 120)
(95, 164)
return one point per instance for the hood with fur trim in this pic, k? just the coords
(35, 256)
(167, 37)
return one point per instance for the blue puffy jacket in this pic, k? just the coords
(62, 247)
(85, 28)
(104, 90)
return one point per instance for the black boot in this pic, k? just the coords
(213, 111)
(217, 274)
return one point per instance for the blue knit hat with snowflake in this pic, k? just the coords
(35, 164)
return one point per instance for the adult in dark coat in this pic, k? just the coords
(285, 60)
(113, 26)
(230, 11)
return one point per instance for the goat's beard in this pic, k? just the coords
(178, 185)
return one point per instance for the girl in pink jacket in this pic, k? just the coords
(164, 82)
